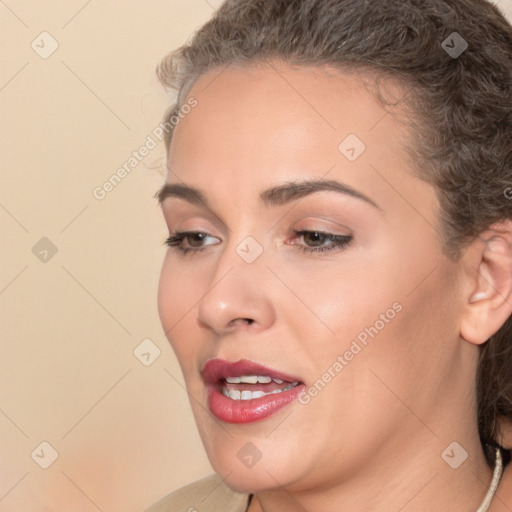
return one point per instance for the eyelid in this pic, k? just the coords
(326, 226)
(328, 218)
(189, 211)
(184, 216)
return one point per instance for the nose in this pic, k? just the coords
(238, 296)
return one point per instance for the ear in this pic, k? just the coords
(488, 302)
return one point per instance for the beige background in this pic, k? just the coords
(123, 431)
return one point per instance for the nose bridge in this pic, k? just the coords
(236, 288)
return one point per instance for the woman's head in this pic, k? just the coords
(385, 103)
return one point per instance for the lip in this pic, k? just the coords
(217, 369)
(245, 411)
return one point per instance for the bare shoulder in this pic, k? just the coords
(209, 494)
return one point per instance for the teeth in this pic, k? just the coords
(252, 379)
(236, 394)
(249, 379)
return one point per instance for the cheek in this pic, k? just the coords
(415, 348)
(388, 343)
(394, 313)
(168, 296)
(178, 292)
(349, 299)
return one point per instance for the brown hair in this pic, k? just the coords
(461, 109)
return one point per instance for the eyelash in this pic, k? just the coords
(339, 242)
(175, 241)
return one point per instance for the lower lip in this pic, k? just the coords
(249, 411)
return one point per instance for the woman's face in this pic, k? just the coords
(340, 286)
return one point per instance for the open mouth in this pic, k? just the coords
(249, 387)
(244, 391)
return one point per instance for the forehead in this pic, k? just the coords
(259, 126)
(288, 111)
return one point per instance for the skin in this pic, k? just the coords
(372, 438)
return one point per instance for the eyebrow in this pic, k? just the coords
(275, 196)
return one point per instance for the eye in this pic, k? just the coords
(190, 242)
(196, 241)
(321, 241)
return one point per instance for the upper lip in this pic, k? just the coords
(215, 370)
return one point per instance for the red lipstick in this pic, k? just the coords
(245, 391)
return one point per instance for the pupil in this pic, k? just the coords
(196, 239)
(315, 237)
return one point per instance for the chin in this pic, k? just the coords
(246, 469)
(250, 481)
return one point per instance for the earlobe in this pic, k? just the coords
(489, 302)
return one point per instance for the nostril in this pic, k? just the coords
(248, 321)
